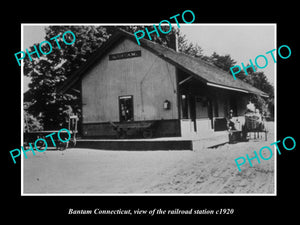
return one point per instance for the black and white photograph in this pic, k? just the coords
(141, 111)
(166, 116)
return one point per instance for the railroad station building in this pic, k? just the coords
(124, 82)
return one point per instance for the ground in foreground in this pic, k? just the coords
(77, 171)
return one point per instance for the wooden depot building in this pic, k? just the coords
(179, 95)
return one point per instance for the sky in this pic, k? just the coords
(241, 41)
(31, 35)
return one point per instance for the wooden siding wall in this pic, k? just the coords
(148, 78)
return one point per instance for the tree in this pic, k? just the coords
(31, 123)
(187, 47)
(224, 62)
(259, 80)
(47, 72)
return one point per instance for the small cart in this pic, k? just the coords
(145, 128)
(255, 124)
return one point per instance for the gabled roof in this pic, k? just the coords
(206, 72)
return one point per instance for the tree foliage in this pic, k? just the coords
(224, 62)
(47, 72)
(259, 80)
(187, 47)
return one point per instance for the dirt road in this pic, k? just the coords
(77, 171)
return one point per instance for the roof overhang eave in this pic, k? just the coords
(235, 89)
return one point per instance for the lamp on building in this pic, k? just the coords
(167, 104)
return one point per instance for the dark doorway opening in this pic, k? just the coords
(126, 108)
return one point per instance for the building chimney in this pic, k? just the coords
(174, 41)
